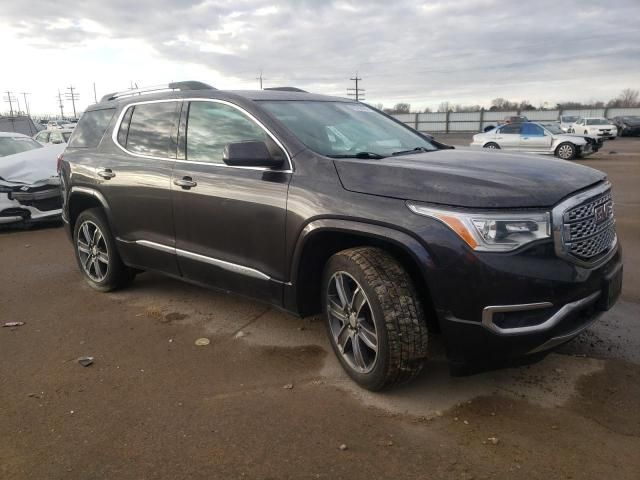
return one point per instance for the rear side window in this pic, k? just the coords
(150, 127)
(91, 128)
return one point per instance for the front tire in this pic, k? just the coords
(374, 318)
(566, 151)
(492, 145)
(96, 253)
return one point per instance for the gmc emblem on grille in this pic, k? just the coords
(603, 212)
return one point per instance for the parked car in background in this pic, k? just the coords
(11, 143)
(628, 125)
(323, 204)
(53, 136)
(596, 126)
(507, 120)
(533, 137)
(30, 186)
(566, 121)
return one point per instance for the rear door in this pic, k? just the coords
(230, 221)
(509, 136)
(534, 139)
(135, 178)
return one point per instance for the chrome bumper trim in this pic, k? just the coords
(488, 312)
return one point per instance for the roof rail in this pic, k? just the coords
(188, 85)
(287, 89)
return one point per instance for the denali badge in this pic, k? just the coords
(603, 212)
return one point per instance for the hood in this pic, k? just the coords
(32, 166)
(468, 178)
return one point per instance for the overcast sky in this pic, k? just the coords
(418, 52)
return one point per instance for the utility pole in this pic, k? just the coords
(73, 97)
(60, 104)
(357, 93)
(95, 97)
(260, 79)
(26, 103)
(9, 98)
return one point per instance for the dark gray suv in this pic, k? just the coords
(321, 204)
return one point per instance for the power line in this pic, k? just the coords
(73, 97)
(357, 93)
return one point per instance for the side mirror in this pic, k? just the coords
(249, 154)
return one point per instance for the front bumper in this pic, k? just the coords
(24, 205)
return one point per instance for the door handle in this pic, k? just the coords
(185, 183)
(106, 173)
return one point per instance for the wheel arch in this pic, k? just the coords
(83, 198)
(320, 239)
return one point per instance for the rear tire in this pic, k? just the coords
(374, 318)
(492, 145)
(96, 253)
(566, 151)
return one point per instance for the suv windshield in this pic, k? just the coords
(597, 121)
(568, 118)
(343, 129)
(11, 145)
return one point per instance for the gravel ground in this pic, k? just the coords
(155, 406)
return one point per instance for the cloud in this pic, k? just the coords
(421, 52)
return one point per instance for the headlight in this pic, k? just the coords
(491, 232)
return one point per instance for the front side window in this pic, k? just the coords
(212, 126)
(91, 128)
(150, 128)
(344, 129)
(532, 130)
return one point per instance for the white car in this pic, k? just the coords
(566, 121)
(596, 126)
(533, 137)
(53, 136)
(30, 186)
(11, 143)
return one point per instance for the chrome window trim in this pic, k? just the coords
(229, 266)
(116, 129)
(557, 223)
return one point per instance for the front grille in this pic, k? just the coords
(589, 231)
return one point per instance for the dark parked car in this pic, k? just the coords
(507, 120)
(321, 204)
(628, 125)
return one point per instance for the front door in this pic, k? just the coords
(229, 221)
(534, 139)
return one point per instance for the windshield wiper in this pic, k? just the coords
(358, 155)
(408, 152)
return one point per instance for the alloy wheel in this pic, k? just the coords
(565, 152)
(92, 251)
(351, 322)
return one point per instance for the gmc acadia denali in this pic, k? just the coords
(320, 204)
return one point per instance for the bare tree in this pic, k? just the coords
(629, 98)
(402, 108)
(444, 107)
